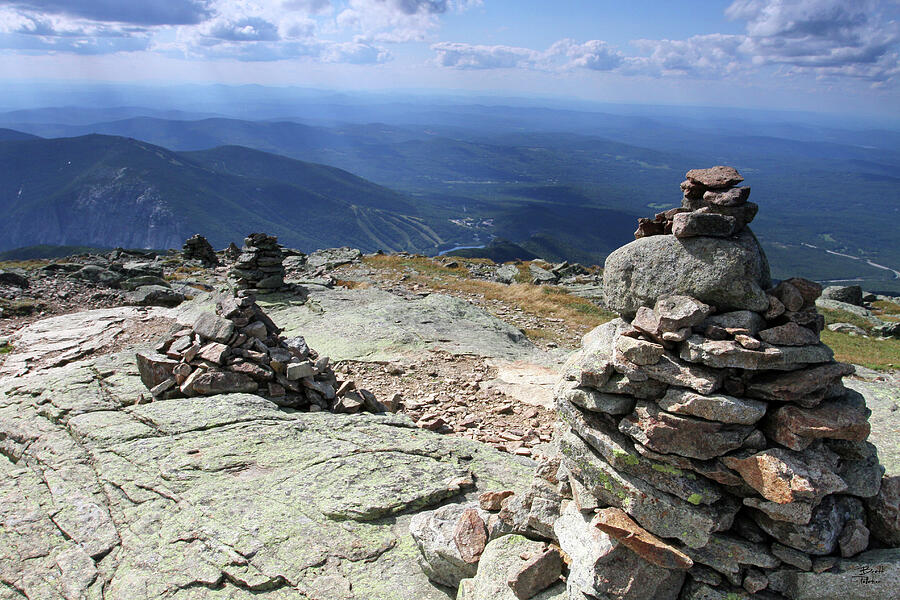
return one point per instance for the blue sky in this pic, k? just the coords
(825, 55)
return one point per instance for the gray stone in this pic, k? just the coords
(873, 575)
(619, 452)
(601, 567)
(851, 294)
(439, 555)
(295, 371)
(847, 328)
(717, 407)
(818, 537)
(507, 273)
(789, 334)
(854, 538)
(733, 197)
(502, 557)
(860, 311)
(697, 590)
(715, 178)
(672, 371)
(785, 477)
(730, 274)
(222, 382)
(739, 319)
(884, 512)
(214, 328)
(726, 354)
(537, 574)
(589, 399)
(639, 352)
(685, 436)
(697, 223)
(859, 467)
(793, 557)
(98, 275)
(728, 554)
(807, 387)
(154, 368)
(660, 513)
(330, 258)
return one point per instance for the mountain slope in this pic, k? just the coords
(11, 135)
(111, 191)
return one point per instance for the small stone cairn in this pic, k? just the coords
(198, 247)
(259, 268)
(712, 206)
(717, 444)
(240, 350)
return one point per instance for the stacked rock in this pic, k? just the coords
(259, 268)
(198, 247)
(711, 206)
(710, 447)
(239, 349)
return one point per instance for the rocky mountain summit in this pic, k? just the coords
(361, 427)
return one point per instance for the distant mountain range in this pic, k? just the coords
(108, 191)
(561, 184)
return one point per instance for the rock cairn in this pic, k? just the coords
(198, 247)
(711, 206)
(240, 350)
(709, 446)
(259, 268)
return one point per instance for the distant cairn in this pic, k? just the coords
(260, 267)
(198, 247)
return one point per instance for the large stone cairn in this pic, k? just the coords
(198, 247)
(240, 350)
(710, 447)
(259, 268)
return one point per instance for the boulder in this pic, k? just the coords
(507, 273)
(507, 560)
(222, 382)
(155, 295)
(601, 567)
(784, 477)
(730, 274)
(884, 512)
(715, 178)
(435, 534)
(697, 223)
(727, 354)
(98, 275)
(154, 368)
(617, 524)
(819, 537)
(848, 328)
(13, 279)
(851, 294)
(714, 407)
(839, 419)
(684, 436)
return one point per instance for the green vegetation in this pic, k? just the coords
(874, 353)
(843, 316)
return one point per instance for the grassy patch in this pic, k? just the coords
(5, 349)
(540, 301)
(873, 353)
(19, 308)
(28, 265)
(843, 316)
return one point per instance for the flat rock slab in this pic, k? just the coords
(217, 497)
(873, 575)
(881, 398)
(370, 324)
(60, 340)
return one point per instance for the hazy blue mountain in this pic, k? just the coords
(11, 134)
(110, 191)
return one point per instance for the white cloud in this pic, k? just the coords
(856, 38)
(468, 56)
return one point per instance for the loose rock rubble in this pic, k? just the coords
(239, 350)
(259, 267)
(709, 450)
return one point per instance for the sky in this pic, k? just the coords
(836, 56)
